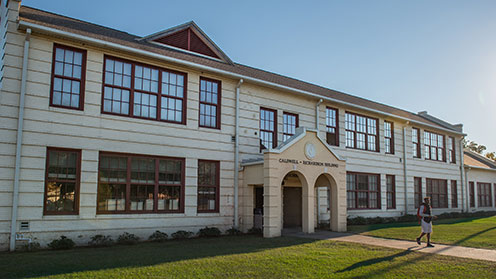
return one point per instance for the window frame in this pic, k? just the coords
(82, 80)
(438, 193)
(336, 128)
(217, 106)
(391, 138)
(488, 201)
(355, 132)
(132, 91)
(217, 187)
(77, 181)
(379, 197)
(443, 148)
(417, 148)
(284, 124)
(454, 194)
(393, 192)
(417, 194)
(274, 133)
(127, 207)
(471, 193)
(452, 151)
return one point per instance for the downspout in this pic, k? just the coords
(20, 122)
(236, 158)
(317, 115)
(462, 175)
(404, 168)
(467, 193)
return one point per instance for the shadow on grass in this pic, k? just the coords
(45, 263)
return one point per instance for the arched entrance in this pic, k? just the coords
(292, 201)
(326, 203)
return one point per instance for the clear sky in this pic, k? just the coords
(438, 56)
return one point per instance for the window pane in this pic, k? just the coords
(62, 181)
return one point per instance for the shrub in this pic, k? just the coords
(100, 240)
(33, 246)
(255, 231)
(182, 234)
(158, 236)
(233, 231)
(209, 232)
(127, 238)
(62, 243)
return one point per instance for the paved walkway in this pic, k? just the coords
(440, 249)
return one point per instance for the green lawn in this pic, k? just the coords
(470, 232)
(241, 257)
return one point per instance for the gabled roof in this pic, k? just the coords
(97, 32)
(472, 159)
(188, 37)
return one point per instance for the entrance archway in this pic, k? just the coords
(326, 203)
(292, 201)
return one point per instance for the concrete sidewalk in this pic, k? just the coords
(440, 249)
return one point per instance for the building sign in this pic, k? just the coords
(309, 163)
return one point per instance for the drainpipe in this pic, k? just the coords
(317, 115)
(236, 157)
(467, 193)
(404, 167)
(462, 175)
(20, 122)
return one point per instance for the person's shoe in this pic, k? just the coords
(418, 240)
(429, 245)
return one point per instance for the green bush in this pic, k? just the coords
(158, 236)
(127, 238)
(413, 218)
(62, 243)
(209, 232)
(255, 231)
(100, 240)
(181, 234)
(33, 246)
(233, 231)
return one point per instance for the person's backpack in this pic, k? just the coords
(418, 214)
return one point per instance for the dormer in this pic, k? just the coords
(188, 37)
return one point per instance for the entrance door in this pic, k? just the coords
(292, 207)
(258, 210)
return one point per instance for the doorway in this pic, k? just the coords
(292, 207)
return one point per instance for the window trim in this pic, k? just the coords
(377, 146)
(127, 209)
(415, 193)
(336, 128)
(390, 138)
(479, 195)
(454, 194)
(82, 80)
(297, 123)
(427, 194)
(437, 148)
(452, 151)
(379, 196)
(274, 137)
(132, 90)
(217, 186)
(78, 182)
(419, 153)
(391, 192)
(218, 106)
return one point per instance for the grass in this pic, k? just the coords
(470, 232)
(241, 257)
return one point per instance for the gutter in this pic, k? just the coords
(236, 158)
(20, 123)
(404, 169)
(103, 43)
(317, 115)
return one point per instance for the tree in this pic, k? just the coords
(475, 147)
(491, 155)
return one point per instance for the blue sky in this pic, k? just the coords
(438, 56)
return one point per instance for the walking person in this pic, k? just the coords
(425, 213)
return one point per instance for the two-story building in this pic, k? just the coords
(104, 132)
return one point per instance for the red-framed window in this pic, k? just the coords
(208, 186)
(471, 193)
(484, 194)
(210, 91)
(391, 191)
(361, 132)
(129, 183)
(268, 128)
(332, 126)
(62, 180)
(143, 91)
(417, 184)
(451, 150)
(416, 142)
(434, 146)
(437, 190)
(68, 77)
(289, 125)
(389, 137)
(363, 191)
(454, 194)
